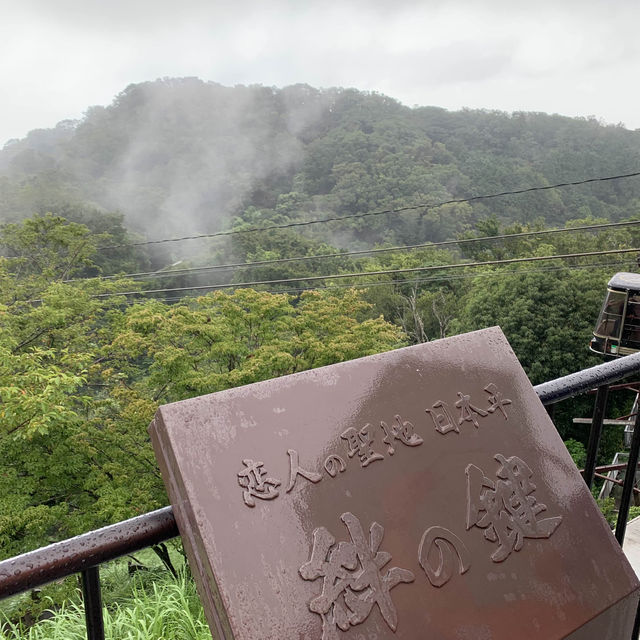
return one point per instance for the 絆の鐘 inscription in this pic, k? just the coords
(354, 578)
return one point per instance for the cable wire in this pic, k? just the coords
(360, 252)
(449, 278)
(255, 283)
(415, 207)
(461, 276)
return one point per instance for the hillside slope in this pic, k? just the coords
(182, 155)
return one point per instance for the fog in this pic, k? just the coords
(176, 156)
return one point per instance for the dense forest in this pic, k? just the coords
(180, 156)
(101, 319)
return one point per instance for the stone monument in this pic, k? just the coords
(419, 493)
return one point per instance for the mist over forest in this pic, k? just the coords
(182, 156)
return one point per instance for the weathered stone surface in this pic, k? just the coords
(421, 493)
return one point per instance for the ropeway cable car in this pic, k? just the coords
(617, 331)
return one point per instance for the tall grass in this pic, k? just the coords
(165, 609)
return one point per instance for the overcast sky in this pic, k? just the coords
(576, 58)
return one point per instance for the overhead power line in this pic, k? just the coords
(380, 272)
(360, 252)
(441, 278)
(353, 216)
(451, 277)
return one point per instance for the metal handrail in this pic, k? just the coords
(61, 559)
(582, 381)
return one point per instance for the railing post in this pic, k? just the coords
(595, 433)
(92, 603)
(629, 480)
(551, 411)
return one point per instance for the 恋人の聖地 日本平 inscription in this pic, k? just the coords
(418, 493)
(361, 443)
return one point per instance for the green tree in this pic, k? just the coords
(547, 316)
(82, 373)
(50, 332)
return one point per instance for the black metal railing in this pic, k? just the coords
(85, 553)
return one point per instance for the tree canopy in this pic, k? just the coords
(83, 369)
(181, 155)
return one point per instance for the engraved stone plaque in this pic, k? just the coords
(420, 493)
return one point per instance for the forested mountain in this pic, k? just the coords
(86, 360)
(180, 156)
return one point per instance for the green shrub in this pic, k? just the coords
(164, 608)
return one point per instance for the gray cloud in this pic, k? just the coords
(578, 58)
